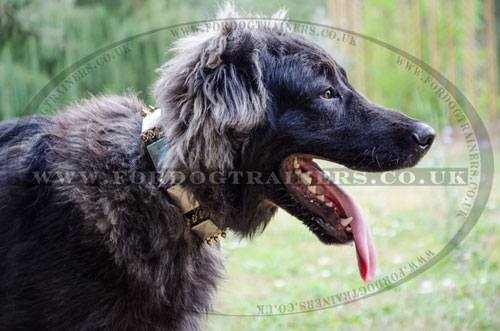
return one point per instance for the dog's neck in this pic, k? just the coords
(193, 213)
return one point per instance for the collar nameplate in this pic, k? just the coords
(156, 151)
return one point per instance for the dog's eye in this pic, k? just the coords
(329, 94)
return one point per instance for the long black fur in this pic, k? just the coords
(94, 254)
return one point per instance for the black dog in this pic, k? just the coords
(101, 250)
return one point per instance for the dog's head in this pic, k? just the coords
(253, 99)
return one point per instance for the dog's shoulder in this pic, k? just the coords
(98, 131)
(96, 114)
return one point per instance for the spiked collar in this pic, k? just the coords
(194, 215)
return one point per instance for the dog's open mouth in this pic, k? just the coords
(337, 216)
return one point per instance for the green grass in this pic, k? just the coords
(288, 264)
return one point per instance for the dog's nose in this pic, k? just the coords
(423, 134)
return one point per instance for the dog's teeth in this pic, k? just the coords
(321, 197)
(297, 172)
(306, 179)
(348, 229)
(312, 188)
(346, 221)
(296, 164)
(329, 204)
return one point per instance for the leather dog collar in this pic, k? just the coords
(194, 215)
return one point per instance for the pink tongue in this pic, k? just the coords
(365, 249)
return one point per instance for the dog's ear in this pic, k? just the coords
(226, 22)
(212, 94)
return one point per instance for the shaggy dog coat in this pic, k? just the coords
(86, 243)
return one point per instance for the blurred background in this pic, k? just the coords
(39, 39)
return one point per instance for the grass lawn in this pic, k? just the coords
(287, 264)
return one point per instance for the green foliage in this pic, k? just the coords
(39, 39)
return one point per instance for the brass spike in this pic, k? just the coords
(157, 129)
(223, 234)
(209, 241)
(151, 134)
(144, 113)
(152, 109)
(144, 138)
(216, 238)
